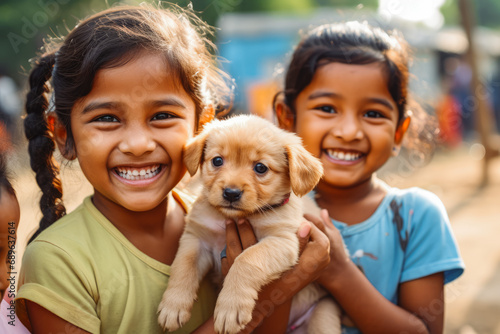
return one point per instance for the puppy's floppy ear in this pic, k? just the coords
(193, 152)
(305, 169)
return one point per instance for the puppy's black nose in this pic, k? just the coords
(232, 195)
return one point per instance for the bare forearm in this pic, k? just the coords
(368, 309)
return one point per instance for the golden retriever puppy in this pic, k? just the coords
(249, 168)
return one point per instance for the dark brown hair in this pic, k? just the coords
(349, 43)
(359, 43)
(109, 39)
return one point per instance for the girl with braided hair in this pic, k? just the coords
(129, 86)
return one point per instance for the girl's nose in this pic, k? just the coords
(348, 128)
(138, 140)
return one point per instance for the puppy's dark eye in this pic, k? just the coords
(217, 161)
(260, 168)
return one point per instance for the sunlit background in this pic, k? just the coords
(456, 84)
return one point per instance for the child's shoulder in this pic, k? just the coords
(419, 201)
(76, 230)
(415, 195)
(70, 222)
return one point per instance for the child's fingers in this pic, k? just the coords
(303, 234)
(245, 231)
(324, 215)
(319, 237)
(317, 221)
(233, 243)
(238, 237)
(316, 254)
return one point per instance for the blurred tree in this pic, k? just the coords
(24, 23)
(450, 12)
(210, 10)
(487, 13)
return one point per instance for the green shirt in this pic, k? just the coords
(85, 271)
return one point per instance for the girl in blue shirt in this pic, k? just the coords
(346, 95)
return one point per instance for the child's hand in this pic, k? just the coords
(338, 255)
(239, 236)
(275, 298)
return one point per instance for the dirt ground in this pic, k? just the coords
(472, 301)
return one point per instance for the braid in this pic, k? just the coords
(41, 144)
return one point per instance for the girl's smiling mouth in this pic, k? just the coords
(344, 156)
(137, 174)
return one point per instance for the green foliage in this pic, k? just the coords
(487, 13)
(450, 12)
(25, 23)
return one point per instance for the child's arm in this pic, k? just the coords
(44, 321)
(368, 309)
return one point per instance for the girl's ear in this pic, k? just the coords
(193, 152)
(285, 116)
(398, 136)
(305, 169)
(401, 130)
(207, 115)
(61, 136)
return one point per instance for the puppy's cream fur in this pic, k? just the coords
(269, 200)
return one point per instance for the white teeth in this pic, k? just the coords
(138, 174)
(340, 155)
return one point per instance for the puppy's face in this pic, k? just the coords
(243, 175)
(248, 165)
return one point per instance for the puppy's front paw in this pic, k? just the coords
(173, 312)
(232, 313)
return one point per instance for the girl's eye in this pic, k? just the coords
(161, 116)
(327, 109)
(217, 161)
(374, 114)
(260, 168)
(106, 119)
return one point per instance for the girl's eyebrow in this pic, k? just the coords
(378, 100)
(381, 101)
(169, 101)
(100, 105)
(323, 94)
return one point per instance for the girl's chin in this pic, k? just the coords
(342, 180)
(141, 204)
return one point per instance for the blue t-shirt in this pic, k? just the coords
(408, 237)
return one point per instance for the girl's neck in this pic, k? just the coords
(127, 221)
(156, 232)
(351, 205)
